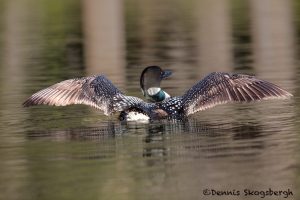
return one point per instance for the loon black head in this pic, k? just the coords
(150, 80)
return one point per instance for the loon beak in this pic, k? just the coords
(166, 74)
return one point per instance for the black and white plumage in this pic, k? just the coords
(216, 88)
(95, 91)
(220, 88)
(150, 80)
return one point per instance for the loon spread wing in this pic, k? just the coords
(95, 91)
(99, 92)
(220, 88)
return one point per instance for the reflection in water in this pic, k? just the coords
(104, 50)
(154, 134)
(273, 43)
(247, 131)
(215, 46)
(242, 38)
(158, 151)
(76, 153)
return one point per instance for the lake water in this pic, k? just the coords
(76, 152)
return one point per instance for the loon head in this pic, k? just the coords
(150, 80)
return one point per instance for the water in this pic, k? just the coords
(76, 152)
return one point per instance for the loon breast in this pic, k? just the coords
(134, 116)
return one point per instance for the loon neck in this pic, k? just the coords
(156, 94)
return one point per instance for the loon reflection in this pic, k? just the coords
(99, 92)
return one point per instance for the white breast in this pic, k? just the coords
(135, 116)
(153, 91)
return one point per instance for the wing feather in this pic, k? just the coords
(95, 91)
(220, 88)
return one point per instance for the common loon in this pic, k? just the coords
(99, 92)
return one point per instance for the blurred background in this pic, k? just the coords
(78, 153)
